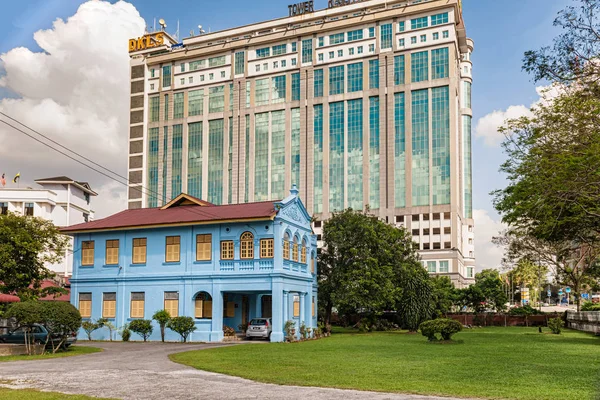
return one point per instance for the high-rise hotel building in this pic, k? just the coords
(362, 104)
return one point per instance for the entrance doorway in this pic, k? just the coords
(267, 306)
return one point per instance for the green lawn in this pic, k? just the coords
(72, 351)
(29, 394)
(506, 363)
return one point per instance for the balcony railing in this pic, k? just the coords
(260, 265)
(246, 266)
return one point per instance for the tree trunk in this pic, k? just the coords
(328, 311)
(162, 333)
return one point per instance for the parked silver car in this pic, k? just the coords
(259, 328)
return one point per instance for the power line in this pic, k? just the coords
(142, 189)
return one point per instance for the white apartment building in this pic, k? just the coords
(364, 103)
(60, 200)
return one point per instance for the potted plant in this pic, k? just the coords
(290, 331)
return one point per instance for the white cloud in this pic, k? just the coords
(487, 254)
(77, 92)
(488, 125)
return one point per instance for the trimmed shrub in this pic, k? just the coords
(142, 327)
(556, 325)
(89, 327)
(182, 325)
(442, 326)
(125, 333)
(162, 317)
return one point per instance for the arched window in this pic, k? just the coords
(247, 245)
(313, 263)
(203, 306)
(286, 246)
(303, 252)
(295, 249)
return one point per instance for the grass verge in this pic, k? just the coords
(72, 351)
(30, 394)
(495, 363)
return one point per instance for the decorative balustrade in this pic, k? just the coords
(260, 265)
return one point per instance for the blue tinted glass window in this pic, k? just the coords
(419, 66)
(318, 83)
(420, 147)
(399, 70)
(373, 74)
(399, 150)
(318, 158)
(419, 23)
(336, 80)
(336, 38)
(355, 77)
(440, 145)
(307, 50)
(215, 161)
(264, 52)
(386, 36)
(374, 152)
(355, 35)
(439, 19)
(439, 63)
(296, 88)
(336, 156)
(355, 154)
(194, 170)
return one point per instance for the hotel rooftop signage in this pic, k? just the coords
(308, 6)
(147, 42)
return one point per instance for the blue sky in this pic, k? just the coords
(502, 31)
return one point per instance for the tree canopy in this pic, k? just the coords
(574, 54)
(368, 266)
(26, 245)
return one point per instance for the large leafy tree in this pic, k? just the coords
(443, 295)
(490, 284)
(552, 202)
(574, 54)
(368, 266)
(573, 266)
(26, 245)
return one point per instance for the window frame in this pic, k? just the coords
(207, 243)
(111, 303)
(227, 243)
(84, 253)
(88, 304)
(247, 246)
(169, 306)
(106, 251)
(267, 248)
(139, 246)
(205, 305)
(131, 305)
(168, 245)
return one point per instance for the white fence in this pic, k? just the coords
(587, 321)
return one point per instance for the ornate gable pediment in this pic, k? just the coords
(296, 213)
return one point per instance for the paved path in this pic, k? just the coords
(143, 371)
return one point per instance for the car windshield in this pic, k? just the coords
(258, 321)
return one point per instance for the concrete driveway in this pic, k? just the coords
(143, 371)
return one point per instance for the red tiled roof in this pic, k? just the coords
(8, 298)
(178, 214)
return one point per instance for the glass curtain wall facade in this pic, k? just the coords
(353, 111)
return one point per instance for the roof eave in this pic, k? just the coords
(68, 231)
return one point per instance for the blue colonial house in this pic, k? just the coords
(222, 265)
